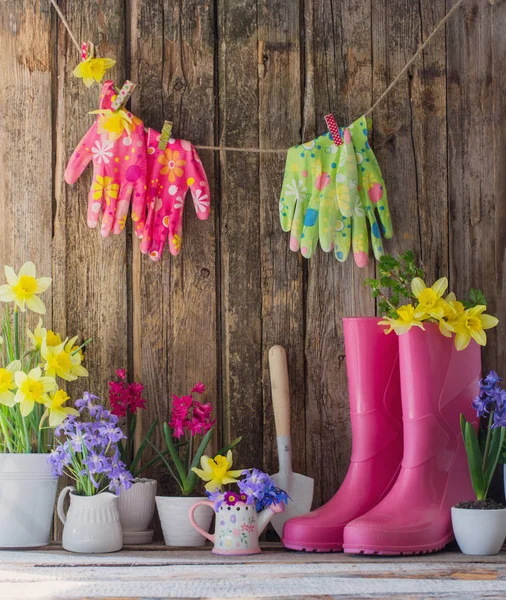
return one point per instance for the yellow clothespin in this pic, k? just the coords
(165, 135)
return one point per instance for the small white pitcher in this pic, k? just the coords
(91, 524)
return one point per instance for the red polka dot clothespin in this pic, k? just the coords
(87, 50)
(334, 129)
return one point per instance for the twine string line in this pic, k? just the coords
(385, 93)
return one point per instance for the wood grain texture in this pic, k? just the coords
(241, 293)
(26, 141)
(176, 308)
(282, 271)
(90, 293)
(260, 74)
(274, 573)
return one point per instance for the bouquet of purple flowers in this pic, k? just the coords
(255, 488)
(87, 451)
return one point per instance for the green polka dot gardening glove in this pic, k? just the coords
(330, 192)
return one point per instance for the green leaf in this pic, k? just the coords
(192, 479)
(474, 458)
(167, 464)
(143, 446)
(492, 458)
(474, 298)
(174, 453)
(230, 446)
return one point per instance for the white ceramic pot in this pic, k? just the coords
(91, 524)
(136, 509)
(174, 516)
(27, 496)
(479, 532)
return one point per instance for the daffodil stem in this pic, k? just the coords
(16, 333)
(7, 439)
(85, 343)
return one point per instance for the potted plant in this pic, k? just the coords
(136, 505)
(31, 405)
(190, 420)
(240, 516)
(88, 453)
(480, 525)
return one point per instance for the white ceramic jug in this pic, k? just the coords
(91, 524)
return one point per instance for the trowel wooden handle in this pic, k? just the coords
(280, 390)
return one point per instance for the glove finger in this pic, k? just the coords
(325, 181)
(310, 230)
(122, 205)
(342, 237)
(360, 239)
(110, 196)
(95, 200)
(150, 227)
(292, 188)
(199, 186)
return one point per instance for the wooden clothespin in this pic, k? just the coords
(165, 135)
(123, 95)
(334, 129)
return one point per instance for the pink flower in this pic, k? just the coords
(199, 388)
(236, 532)
(125, 397)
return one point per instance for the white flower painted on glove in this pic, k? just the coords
(102, 152)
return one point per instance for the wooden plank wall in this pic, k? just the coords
(253, 73)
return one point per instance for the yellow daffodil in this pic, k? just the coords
(93, 69)
(404, 322)
(430, 301)
(453, 309)
(7, 383)
(63, 360)
(32, 388)
(23, 288)
(471, 324)
(216, 471)
(56, 411)
(40, 333)
(113, 123)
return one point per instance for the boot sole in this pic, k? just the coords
(310, 548)
(399, 551)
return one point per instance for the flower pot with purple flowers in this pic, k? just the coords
(479, 524)
(88, 453)
(190, 420)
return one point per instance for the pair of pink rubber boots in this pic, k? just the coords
(408, 464)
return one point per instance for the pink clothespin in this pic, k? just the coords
(334, 129)
(87, 50)
(123, 95)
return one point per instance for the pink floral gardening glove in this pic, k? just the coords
(119, 169)
(171, 172)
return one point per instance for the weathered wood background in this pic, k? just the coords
(257, 73)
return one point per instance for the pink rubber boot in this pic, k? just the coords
(438, 383)
(375, 407)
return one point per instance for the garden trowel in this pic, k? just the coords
(298, 487)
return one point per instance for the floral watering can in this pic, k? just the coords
(237, 528)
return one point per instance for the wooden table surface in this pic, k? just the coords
(154, 571)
